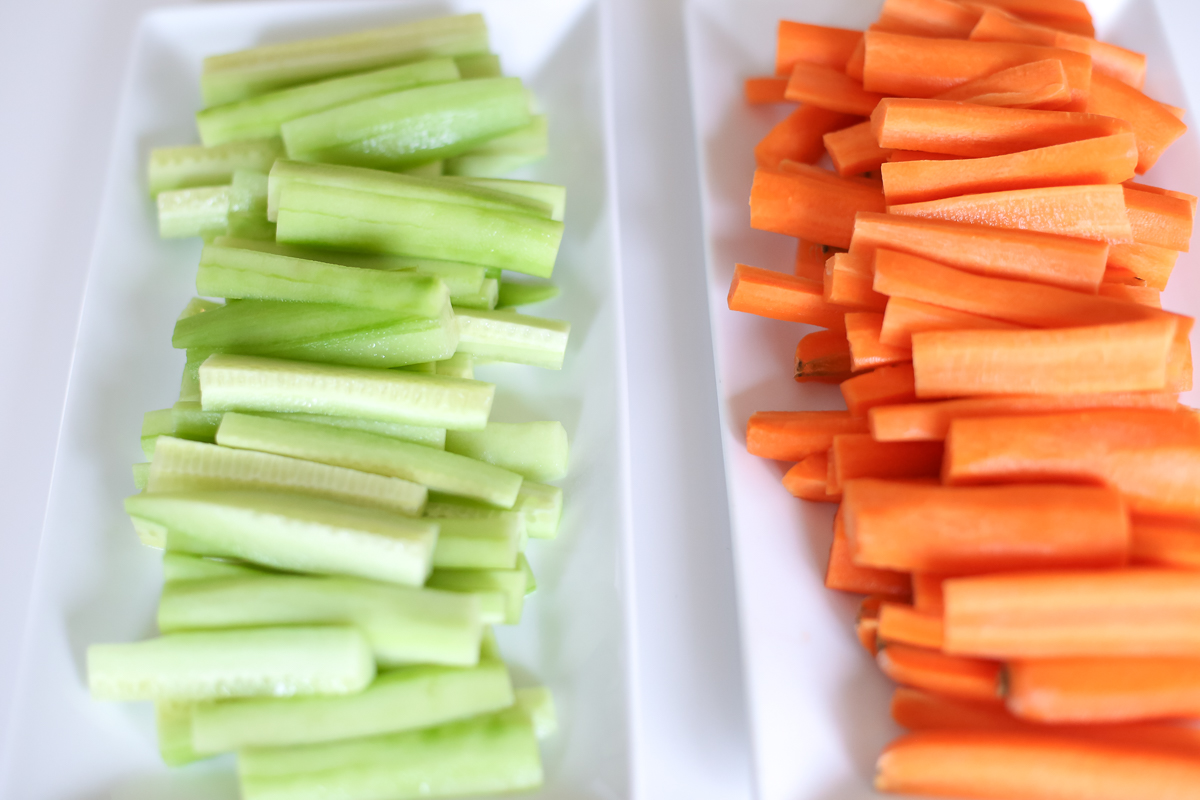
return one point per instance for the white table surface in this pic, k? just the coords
(62, 62)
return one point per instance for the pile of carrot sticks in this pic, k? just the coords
(1019, 485)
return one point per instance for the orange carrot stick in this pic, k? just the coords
(855, 151)
(762, 91)
(1165, 543)
(866, 351)
(927, 592)
(912, 66)
(1095, 690)
(1025, 255)
(780, 296)
(1094, 613)
(1124, 357)
(987, 765)
(1156, 127)
(904, 317)
(795, 435)
(883, 386)
(1152, 264)
(1191, 199)
(826, 87)
(857, 455)
(1039, 84)
(1072, 10)
(823, 357)
(844, 575)
(953, 676)
(902, 624)
(918, 155)
(809, 206)
(866, 624)
(848, 280)
(811, 258)
(808, 480)
(857, 61)
(1107, 159)
(971, 131)
(926, 422)
(932, 18)
(1142, 295)
(1159, 219)
(799, 136)
(962, 530)
(813, 44)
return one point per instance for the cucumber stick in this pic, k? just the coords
(194, 423)
(404, 699)
(183, 466)
(141, 475)
(230, 272)
(537, 703)
(490, 754)
(510, 583)
(441, 471)
(550, 195)
(199, 211)
(403, 625)
(173, 724)
(480, 543)
(512, 337)
(261, 116)
(246, 383)
(345, 219)
(513, 294)
(480, 65)
(485, 298)
(535, 450)
(288, 531)
(409, 128)
(193, 165)
(540, 504)
(235, 76)
(270, 662)
(179, 567)
(499, 156)
(155, 424)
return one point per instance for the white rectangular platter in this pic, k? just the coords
(818, 706)
(96, 583)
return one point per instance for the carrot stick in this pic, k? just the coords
(883, 386)
(1107, 159)
(1156, 127)
(811, 258)
(962, 530)
(1120, 276)
(904, 317)
(807, 479)
(902, 624)
(1142, 295)
(866, 624)
(866, 351)
(987, 765)
(823, 357)
(971, 131)
(826, 87)
(1152, 264)
(927, 592)
(1096, 690)
(918, 155)
(932, 18)
(844, 575)
(1096, 613)
(799, 136)
(912, 66)
(1191, 199)
(1165, 543)
(1159, 219)
(1025, 255)
(780, 296)
(857, 455)
(762, 91)
(953, 676)
(848, 281)
(1086, 212)
(855, 151)
(1125, 357)
(857, 61)
(1039, 84)
(926, 422)
(813, 44)
(795, 435)
(810, 207)
(1073, 10)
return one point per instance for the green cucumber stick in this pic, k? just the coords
(490, 754)
(535, 450)
(513, 293)
(480, 543)
(141, 474)
(429, 437)
(243, 663)
(480, 65)
(173, 724)
(180, 567)
(441, 471)
(231, 77)
(155, 424)
(497, 157)
(261, 116)
(190, 166)
(200, 211)
(484, 300)
(539, 503)
(459, 365)
(548, 194)
(288, 531)
(404, 625)
(404, 699)
(247, 383)
(406, 129)
(538, 704)
(511, 583)
(512, 337)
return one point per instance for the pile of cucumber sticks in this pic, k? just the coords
(341, 523)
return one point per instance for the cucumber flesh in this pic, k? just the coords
(539, 503)
(530, 578)
(538, 704)
(549, 194)
(516, 338)
(405, 129)
(480, 65)
(193, 165)
(485, 298)
(417, 434)
(513, 294)
(141, 474)
(490, 754)
(173, 724)
(399, 700)
(366, 452)
(511, 583)
(403, 625)
(271, 662)
(289, 532)
(199, 211)
(179, 567)
(261, 116)
(194, 423)
(459, 365)
(481, 543)
(197, 305)
(184, 466)
(189, 382)
(155, 424)
(503, 154)
(246, 383)
(536, 450)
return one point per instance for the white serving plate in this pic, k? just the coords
(818, 706)
(94, 581)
